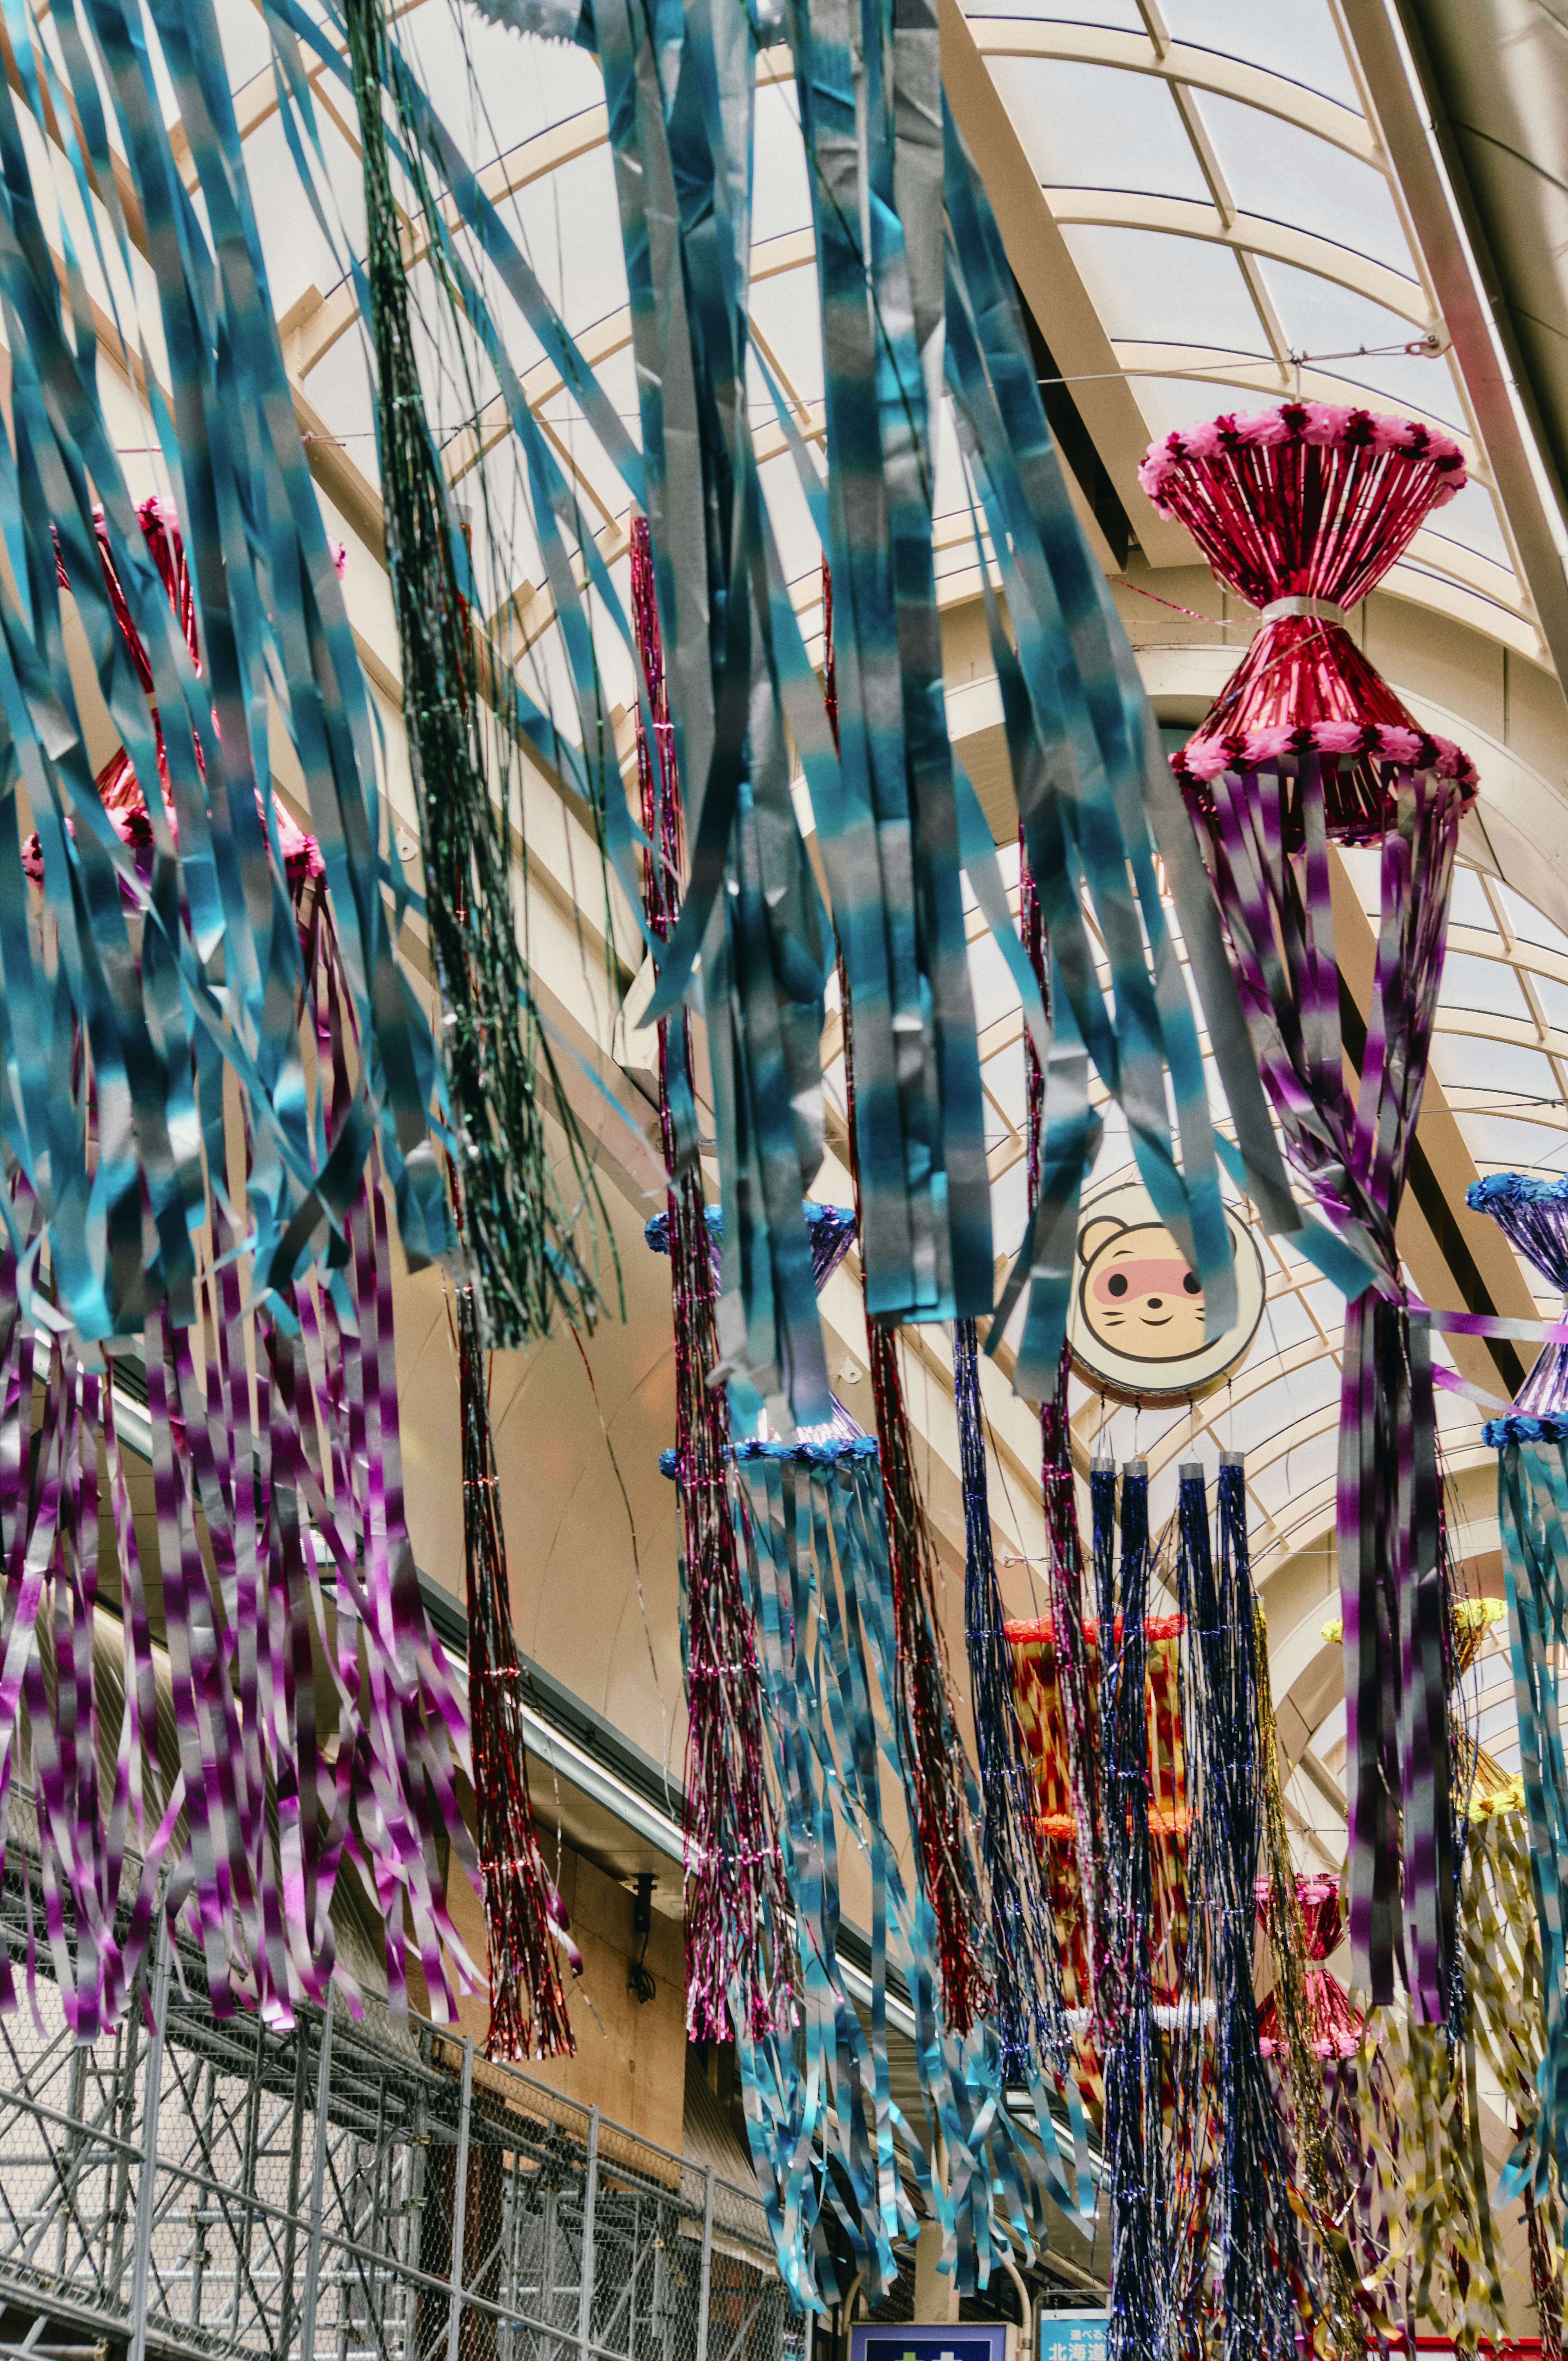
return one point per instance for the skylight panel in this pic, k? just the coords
(1512, 1143)
(1324, 317)
(1116, 16)
(1485, 985)
(1169, 404)
(246, 44)
(1553, 998)
(1468, 906)
(1529, 924)
(785, 309)
(1299, 41)
(1096, 127)
(1284, 173)
(1471, 520)
(781, 196)
(1168, 289)
(1462, 1063)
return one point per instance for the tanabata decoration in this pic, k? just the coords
(1200, 2230)
(929, 298)
(1417, 2224)
(1531, 1442)
(520, 1240)
(829, 1231)
(523, 1239)
(1064, 1543)
(1030, 2009)
(525, 1919)
(319, 1720)
(735, 1898)
(1223, 2084)
(1121, 2066)
(935, 1771)
(829, 2141)
(1302, 510)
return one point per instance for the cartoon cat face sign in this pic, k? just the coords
(1135, 1323)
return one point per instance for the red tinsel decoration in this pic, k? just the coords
(1301, 510)
(736, 1902)
(1334, 2024)
(524, 1915)
(930, 1751)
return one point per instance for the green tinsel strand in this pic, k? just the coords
(519, 1233)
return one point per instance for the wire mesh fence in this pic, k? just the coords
(348, 2191)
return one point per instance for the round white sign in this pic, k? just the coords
(1136, 1316)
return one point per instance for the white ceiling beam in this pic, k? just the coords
(1178, 64)
(1052, 287)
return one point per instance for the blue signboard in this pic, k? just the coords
(1072, 2335)
(974, 2341)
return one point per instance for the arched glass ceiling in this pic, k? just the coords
(1221, 191)
(1195, 199)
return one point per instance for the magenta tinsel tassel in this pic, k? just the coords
(736, 1902)
(524, 1915)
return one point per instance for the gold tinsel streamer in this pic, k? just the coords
(1337, 2330)
(1424, 2157)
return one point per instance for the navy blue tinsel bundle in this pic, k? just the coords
(1251, 2229)
(1134, 2064)
(1031, 2017)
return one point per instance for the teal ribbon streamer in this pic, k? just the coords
(1532, 1511)
(169, 979)
(915, 291)
(827, 2135)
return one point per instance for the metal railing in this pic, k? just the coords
(349, 2191)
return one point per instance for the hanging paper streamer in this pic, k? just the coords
(283, 1771)
(734, 1871)
(521, 1236)
(930, 293)
(525, 1918)
(1532, 1507)
(1134, 1671)
(1030, 2014)
(820, 2111)
(1531, 1441)
(935, 1774)
(1301, 506)
(190, 954)
(1420, 2236)
(1252, 2230)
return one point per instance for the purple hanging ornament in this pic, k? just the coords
(1302, 510)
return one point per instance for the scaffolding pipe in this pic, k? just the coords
(459, 2200)
(705, 2279)
(147, 2183)
(590, 2202)
(318, 2178)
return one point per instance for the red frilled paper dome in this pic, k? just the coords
(1301, 510)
